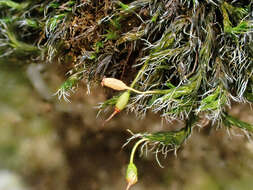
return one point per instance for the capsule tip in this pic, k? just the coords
(116, 111)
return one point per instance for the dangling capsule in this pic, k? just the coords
(131, 175)
(123, 101)
(120, 105)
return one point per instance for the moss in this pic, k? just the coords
(194, 56)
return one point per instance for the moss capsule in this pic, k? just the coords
(122, 101)
(131, 175)
(120, 105)
(113, 83)
(117, 84)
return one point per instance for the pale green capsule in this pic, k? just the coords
(131, 175)
(120, 105)
(122, 101)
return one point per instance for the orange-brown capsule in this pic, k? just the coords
(113, 83)
(117, 84)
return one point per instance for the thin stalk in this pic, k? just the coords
(134, 149)
(149, 91)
